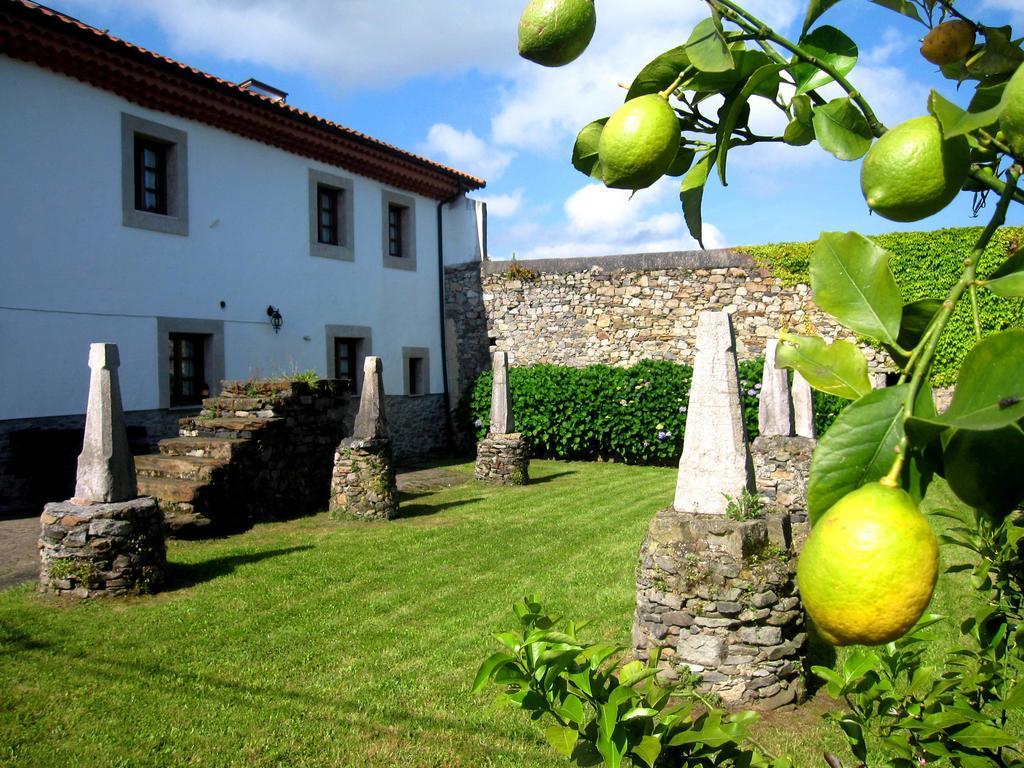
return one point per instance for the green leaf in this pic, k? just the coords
(707, 48)
(746, 63)
(990, 393)
(1008, 280)
(491, 663)
(638, 712)
(584, 151)
(858, 448)
(682, 161)
(815, 8)
(842, 130)
(734, 108)
(904, 7)
(562, 739)
(954, 121)
(855, 735)
(571, 709)
(851, 280)
(1015, 700)
(914, 322)
(660, 73)
(648, 750)
(981, 736)
(831, 47)
(839, 368)
(691, 193)
(999, 55)
(611, 740)
(798, 134)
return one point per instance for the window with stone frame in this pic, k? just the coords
(187, 367)
(330, 216)
(398, 213)
(154, 176)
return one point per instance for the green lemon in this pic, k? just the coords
(984, 468)
(912, 172)
(867, 571)
(1011, 121)
(638, 142)
(948, 42)
(554, 32)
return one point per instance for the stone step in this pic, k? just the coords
(261, 388)
(171, 488)
(228, 426)
(213, 447)
(230, 404)
(180, 467)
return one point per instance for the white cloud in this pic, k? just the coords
(601, 221)
(503, 206)
(351, 45)
(466, 151)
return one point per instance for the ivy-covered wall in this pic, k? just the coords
(926, 265)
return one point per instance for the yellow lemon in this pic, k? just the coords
(868, 568)
(948, 42)
(639, 142)
(554, 32)
(1011, 121)
(912, 172)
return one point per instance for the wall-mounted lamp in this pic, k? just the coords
(275, 317)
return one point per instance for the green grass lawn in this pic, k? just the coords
(323, 643)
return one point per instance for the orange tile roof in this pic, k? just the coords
(35, 33)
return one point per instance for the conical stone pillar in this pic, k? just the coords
(503, 457)
(105, 540)
(363, 480)
(717, 593)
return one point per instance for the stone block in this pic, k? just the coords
(775, 411)
(501, 398)
(703, 650)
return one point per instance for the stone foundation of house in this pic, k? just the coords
(719, 598)
(503, 459)
(104, 549)
(363, 482)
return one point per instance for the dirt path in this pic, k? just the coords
(19, 558)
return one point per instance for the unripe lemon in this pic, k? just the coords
(948, 42)
(1011, 121)
(868, 568)
(554, 32)
(638, 142)
(912, 172)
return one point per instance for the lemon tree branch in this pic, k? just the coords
(744, 18)
(930, 342)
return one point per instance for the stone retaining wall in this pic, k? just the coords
(781, 468)
(618, 310)
(417, 424)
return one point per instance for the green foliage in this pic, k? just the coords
(746, 506)
(905, 710)
(925, 265)
(609, 712)
(636, 415)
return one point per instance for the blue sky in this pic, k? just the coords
(443, 79)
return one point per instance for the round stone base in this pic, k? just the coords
(503, 459)
(363, 482)
(96, 550)
(719, 598)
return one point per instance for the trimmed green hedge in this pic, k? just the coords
(636, 415)
(926, 265)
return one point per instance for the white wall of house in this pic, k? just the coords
(71, 273)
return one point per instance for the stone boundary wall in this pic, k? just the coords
(417, 425)
(618, 310)
(38, 456)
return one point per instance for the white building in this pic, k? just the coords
(148, 204)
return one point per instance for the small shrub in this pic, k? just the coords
(746, 506)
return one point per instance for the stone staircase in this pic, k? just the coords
(261, 450)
